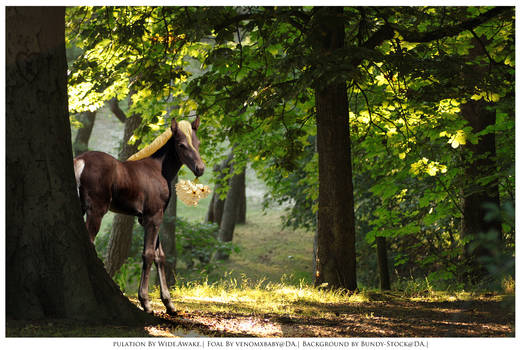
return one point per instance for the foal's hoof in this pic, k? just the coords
(170, 309)
(146, 307)
(172, 312)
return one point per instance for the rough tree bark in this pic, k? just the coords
(52, 270)
(335, 248)
(82, 139)
(122, 226)
(229, 216)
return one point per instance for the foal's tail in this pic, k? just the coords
(79, 165)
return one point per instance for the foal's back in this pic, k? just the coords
(129, 187)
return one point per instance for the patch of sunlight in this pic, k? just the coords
(260, 297)
(176, 332)
(222, 299)
(442, 296)
(427, 166)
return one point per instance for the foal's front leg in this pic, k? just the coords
(160, 261)
(151, 232)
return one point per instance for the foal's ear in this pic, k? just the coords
(174, 125)
(195, 124)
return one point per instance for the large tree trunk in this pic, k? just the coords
(480, 162)
(167, 236)
(229, 217)
(335, 251)
(52, 270)
(122, 226)
(82, 139)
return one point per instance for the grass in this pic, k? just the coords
(269, 252)
(244, 296)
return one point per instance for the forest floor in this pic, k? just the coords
(378, 315)
(383, 315)
(264, 290)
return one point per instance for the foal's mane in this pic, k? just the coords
(184, 126)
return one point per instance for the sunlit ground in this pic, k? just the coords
(238, 308)
(261, 309)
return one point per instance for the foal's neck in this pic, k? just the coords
(170, 167)
(170, 162)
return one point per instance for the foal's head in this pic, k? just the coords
(187, 145)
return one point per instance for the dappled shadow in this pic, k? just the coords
(407, 319)
(392, 318)
(70, 328)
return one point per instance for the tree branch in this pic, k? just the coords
(233, 21)
(384, 33)
(118, 112)
(443, 32)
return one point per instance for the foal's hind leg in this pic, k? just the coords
(94, 223)
(95, 205)
(160, 260)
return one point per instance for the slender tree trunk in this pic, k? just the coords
(52, 270)
(382, 263)
(242, 206)
(167, 236)
(335, 251)
(120, 242)
(229, 217)
(83, 136)
(113, 104)
(122, 227)
(210, 214)
(216, 207)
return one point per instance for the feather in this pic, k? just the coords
(153, 147)
(191, 192)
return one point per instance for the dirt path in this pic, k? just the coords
(478, 318)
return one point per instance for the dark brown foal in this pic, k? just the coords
(139, 187)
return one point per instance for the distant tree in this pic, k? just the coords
(82, 139)
(230, 212)
(382, 263)
(216, 205)
(242, 206)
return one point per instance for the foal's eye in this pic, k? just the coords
(182, 145)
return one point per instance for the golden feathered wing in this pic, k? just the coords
(153, 147)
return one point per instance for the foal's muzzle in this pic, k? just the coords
(199, 170)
